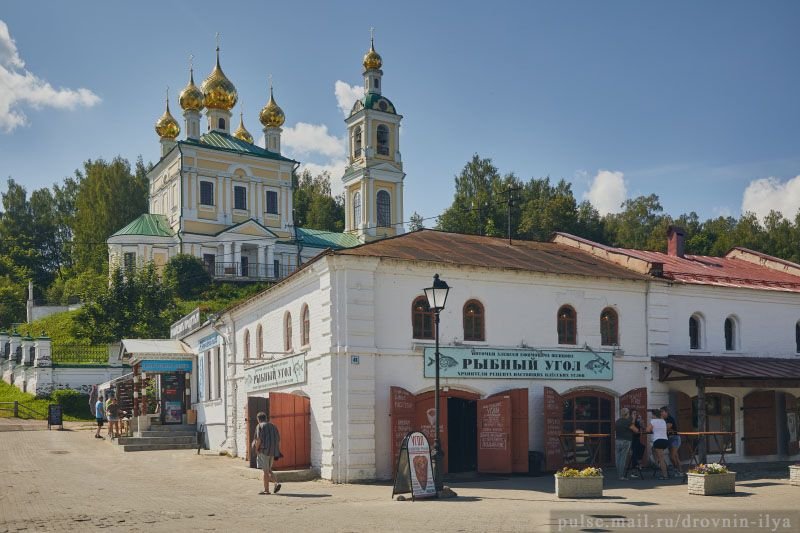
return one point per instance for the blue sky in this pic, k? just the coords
(698, 102)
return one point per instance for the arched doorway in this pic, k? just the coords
(590, 411)
(458, 425)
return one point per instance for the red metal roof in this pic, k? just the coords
(733, 367)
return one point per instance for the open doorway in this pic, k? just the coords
(462, 434)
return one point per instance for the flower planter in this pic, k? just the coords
(794, 475)
(579, 487)
(712, 484)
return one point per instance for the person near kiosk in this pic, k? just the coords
(658, 427)
(674, 440)
(267, 444)
(624, 429)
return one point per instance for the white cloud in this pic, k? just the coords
(20, 87)
(346, 95)
(304, 139)
(767, 194)
(607, 192)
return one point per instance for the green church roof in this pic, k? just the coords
(315, 238)
(149, 225)
(228, 143)
(374, 101)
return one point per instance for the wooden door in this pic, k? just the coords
(424, 420)
(685, 419)
(401, 414)
(255, 405)
(291, 414)
(494, 435)
(519, 428)
(760, 431)
(792, 419)
(553, 427)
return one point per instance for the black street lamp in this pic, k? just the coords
(437, 296)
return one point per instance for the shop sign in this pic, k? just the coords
(166, 366)
(185, 324)
(286, 371)
(414, 469)
(206, 343)
(480, 362)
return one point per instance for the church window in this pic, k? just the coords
(357, 209)
(246, 345)
(287, 332)
(209, 260)
(695, 332)
(421, 319)
(384, 210)
(567, 325)
(306, 333)
(129, 260)
(272, 202)
(239, 197)
(730, 334)
(473, 321)
(383, 140)
(206, 193)
(259, 342)
(221, 124)
(609, 327)
(357, 142)
(377, 83)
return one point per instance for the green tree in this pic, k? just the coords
(474, 202)
(314, 205)
(548, 208)
(638, 225)
(187, 276)
(109, 197)
(415, 222)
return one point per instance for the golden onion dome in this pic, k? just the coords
(166, 126)
(272, 115)
(218, 91)
(191, 98)
(372, 59)
(241, 132)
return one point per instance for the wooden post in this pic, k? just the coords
(16, 409)
(701, 418)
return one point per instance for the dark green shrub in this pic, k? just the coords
(74, 403)
(187, 275)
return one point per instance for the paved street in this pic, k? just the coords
(69, 481)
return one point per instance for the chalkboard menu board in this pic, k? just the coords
(55, 415)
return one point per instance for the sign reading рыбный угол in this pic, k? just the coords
(480, 362)
(286, 371)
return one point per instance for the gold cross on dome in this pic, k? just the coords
(269, 78)
(191, 61)
(217, 39)
(167, 93)
(372, 33)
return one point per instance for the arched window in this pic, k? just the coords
(306, 327)
(383, 140)
(421, 319)
(259, 342)
(730, 334)
(609, 327)
(246, 343)
(287, 332)
(473, 321)
(356, 209)
(221, 123)
(357, 142)
(567, 325)
(384, 210)
(694, 332)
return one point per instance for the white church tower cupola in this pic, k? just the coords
(191, 100)
(373, 179)
(219, 96)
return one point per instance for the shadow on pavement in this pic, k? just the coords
(290, 495)
(762, 484)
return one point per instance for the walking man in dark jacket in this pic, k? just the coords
(267, 444)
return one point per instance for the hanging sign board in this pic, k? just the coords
(286, 371)
(461, 362)
(414, 469)
(185, 325)
(166, 366)
(208, 342)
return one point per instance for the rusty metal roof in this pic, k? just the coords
(491, 252)
(727, 367)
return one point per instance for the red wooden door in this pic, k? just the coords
(636, 400)
(291, 414)
(519, 428)
(425, 417)
(553, 427)
(402, 414)
(760, 431)
(494, 435)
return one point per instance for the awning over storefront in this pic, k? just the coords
(728, 371)
(135, 350)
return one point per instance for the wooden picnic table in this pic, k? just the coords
(591, 443)
(694, 438)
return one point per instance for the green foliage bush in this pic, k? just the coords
(74, 403)
(187, 276)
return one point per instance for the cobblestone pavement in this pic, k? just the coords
(69, 481)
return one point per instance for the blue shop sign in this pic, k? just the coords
(166, 365)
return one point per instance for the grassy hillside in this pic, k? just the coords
(9, 393)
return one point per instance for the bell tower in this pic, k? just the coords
(373, 179)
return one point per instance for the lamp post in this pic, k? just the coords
(437, 296)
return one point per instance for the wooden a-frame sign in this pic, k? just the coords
(414, 471)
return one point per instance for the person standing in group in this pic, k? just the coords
(637, 448)
(267, 444)
(99, 412)
(624, 429)
(112, 414)
(660, 441)
(674, 440)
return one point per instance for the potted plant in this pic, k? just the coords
(574, 483)
(794, 474)
(711, 480)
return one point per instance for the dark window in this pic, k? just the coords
(588, 412)
(422, 319)
(609, 327)
(377, 83)
(239, 197)
(129, 260)
(306, 326)
(567, 325)
(209, 260)
(384, 209)
(259, 341)
(357, 142)
(720, 416)
(272, 202)
(473, 321)
(797, 337)
(694, 333)
(730, 332)
(287, 335)
(276, 268)
(221, 123)
(357, 209)
(246, 345)
(206, 193)
(383, 140)
(245, 266)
